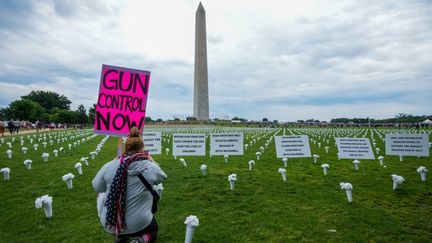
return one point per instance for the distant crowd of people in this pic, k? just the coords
(14, 127)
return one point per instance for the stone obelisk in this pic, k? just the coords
(201, 102)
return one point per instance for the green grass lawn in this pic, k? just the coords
(308, 207)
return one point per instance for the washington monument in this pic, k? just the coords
(201, 102)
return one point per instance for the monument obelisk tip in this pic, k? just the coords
(200, 7)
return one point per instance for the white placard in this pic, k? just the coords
(354, 148)
(152, 142)
(189, 144)
(407, 144)
(226, 143)
(292, 146)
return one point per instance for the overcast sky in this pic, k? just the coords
(284, 60)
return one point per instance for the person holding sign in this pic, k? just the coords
(128, 210)
(122, 100)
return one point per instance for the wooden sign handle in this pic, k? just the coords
(119, 147)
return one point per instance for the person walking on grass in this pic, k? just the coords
(11, 126)
(128, 210)
(2, 128)
(17, 126)
(38, 126)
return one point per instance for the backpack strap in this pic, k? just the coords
(155, 195)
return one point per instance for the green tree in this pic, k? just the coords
(54, 117)
(340, 120)
(65, 116)
(4, 113)
(25, 110)
(81, 115)
(49, 100)
(43, 117)
(148, 119)
(238, 119)
(91, 115)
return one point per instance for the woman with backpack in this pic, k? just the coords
(131, 201)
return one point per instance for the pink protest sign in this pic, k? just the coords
(122, 100)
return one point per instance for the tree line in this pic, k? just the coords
(46, 106)
(400, 118)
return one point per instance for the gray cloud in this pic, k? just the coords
(343, 57)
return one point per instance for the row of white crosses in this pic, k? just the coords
(46, 201)
(354, 133)
(35, 146)
(359, 133)
(397, 180)
(254, 138)
(84, 160)
(45, 157)
(60, 136)
(232, 177)
(28, 162)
